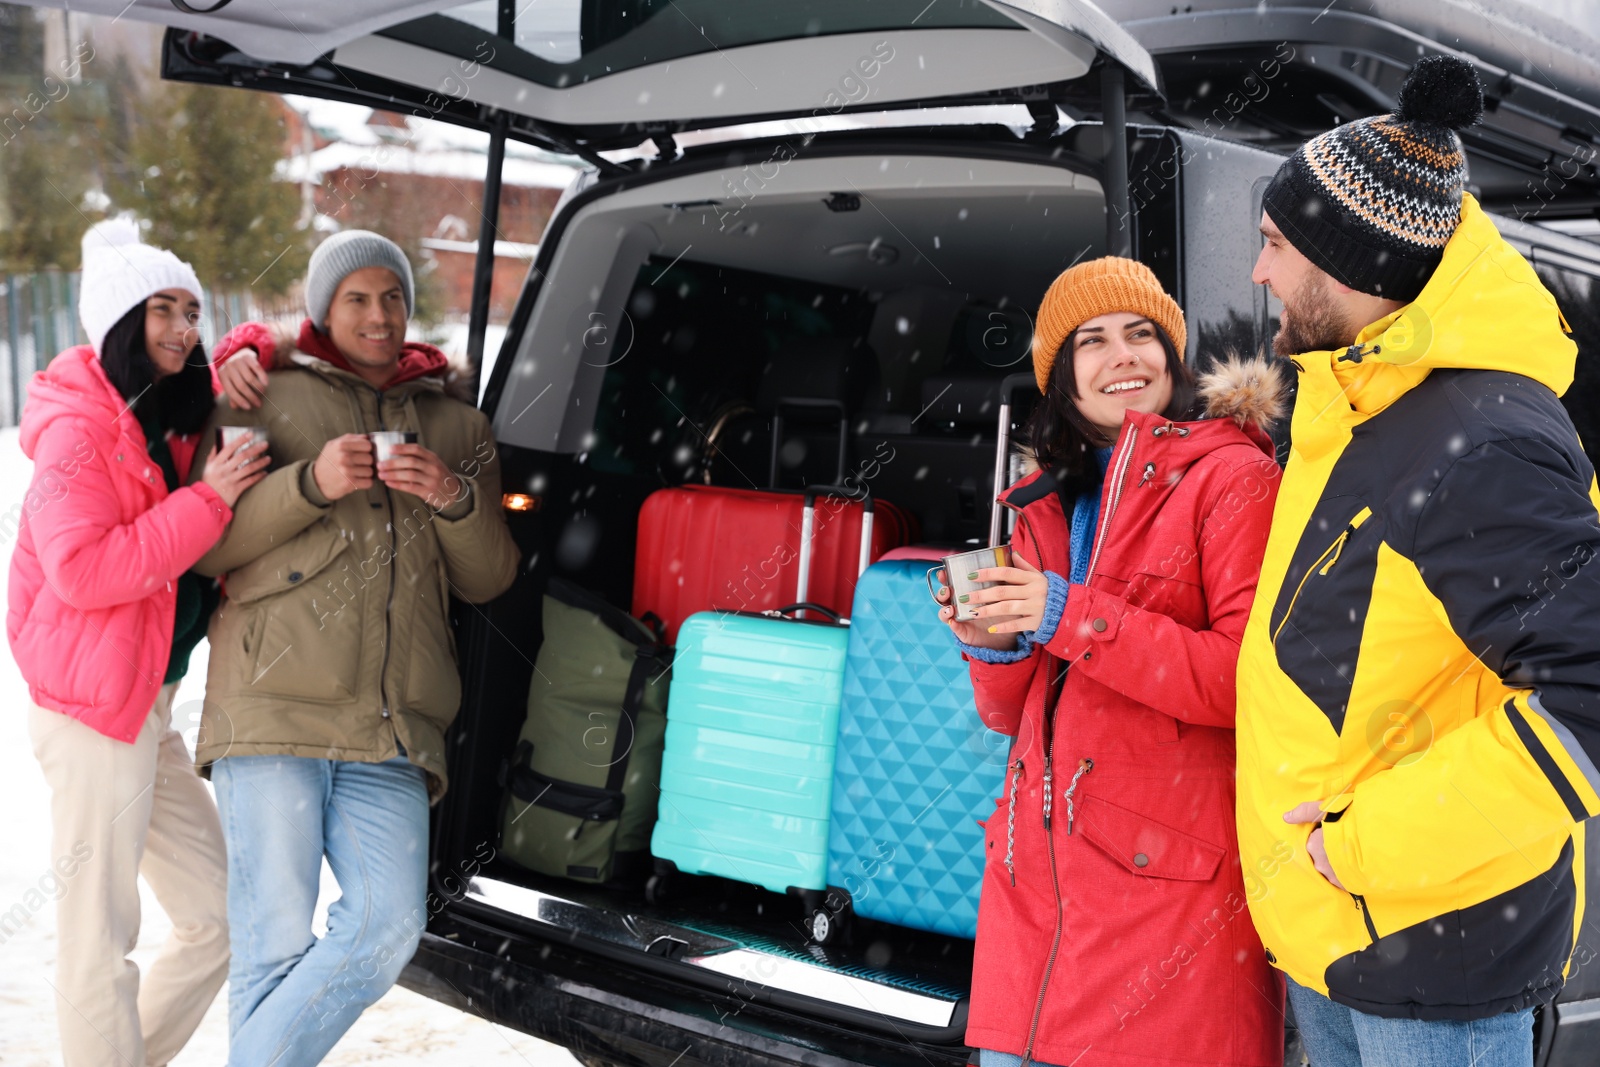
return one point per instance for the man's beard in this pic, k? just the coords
(1312, 322)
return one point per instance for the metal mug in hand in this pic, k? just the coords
(227, 435)
(956, 569)
(383, 442)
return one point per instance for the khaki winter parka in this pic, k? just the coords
(333, 640)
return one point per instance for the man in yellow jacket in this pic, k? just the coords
(1419, 685)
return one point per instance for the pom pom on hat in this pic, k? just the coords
(111, 233)
(1099, 287)
(120, 272)
(1442, 90)
(1373, 202)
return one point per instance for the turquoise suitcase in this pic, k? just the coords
(752, 724)
(747, 774)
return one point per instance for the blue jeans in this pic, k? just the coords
(291, 995)
(988, 1057)
(1337, 1036)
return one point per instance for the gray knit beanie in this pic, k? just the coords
(343, 254)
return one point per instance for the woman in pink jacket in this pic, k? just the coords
(103, 615)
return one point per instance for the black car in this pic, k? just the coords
(896, 179)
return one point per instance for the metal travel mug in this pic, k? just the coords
(956, 569)
(227, 435)
(383, 442)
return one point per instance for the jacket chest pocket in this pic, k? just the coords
(1168, 585)
(1320, 615)
(1145, 847)
(292, 566)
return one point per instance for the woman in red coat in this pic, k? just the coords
(1113, 928)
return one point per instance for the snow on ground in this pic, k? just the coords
(401, 1028)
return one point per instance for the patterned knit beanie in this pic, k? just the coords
(1373, 202)
(1096, 288)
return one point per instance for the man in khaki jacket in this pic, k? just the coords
(333, 674)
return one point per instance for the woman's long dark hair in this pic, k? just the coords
(1063, 440)
(181, 401)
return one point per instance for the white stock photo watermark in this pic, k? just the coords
(1253, 88)
(752, 180)
(453, 88)
(50, 486)
(49, 887)
(351, 985)
(52, 89)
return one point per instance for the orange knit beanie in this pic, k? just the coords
(1096, 288)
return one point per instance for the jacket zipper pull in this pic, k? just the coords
(1149, 472)
(1048, 775)
(1338, 550)
(1366, 916)
(1084, 767)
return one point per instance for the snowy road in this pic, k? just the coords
(402, 1028)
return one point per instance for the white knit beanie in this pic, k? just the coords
(344, 254)
(120, 273)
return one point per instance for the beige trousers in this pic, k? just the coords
(119, 811)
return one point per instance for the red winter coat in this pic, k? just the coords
(102, 543)
(1122, 936)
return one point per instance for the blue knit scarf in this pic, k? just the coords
(1085, 518)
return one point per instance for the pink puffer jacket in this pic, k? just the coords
(93, 585)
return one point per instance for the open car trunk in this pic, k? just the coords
(672, 316)
(675, 300)
(677, 297)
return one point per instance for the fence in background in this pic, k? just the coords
(39, 318)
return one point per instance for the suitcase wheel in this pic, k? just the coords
(828, 916)
(824, 926)
(658, 888)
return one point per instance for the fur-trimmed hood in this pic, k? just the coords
(1250, 390)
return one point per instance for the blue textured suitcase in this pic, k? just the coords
(752, 720)
(915, 766)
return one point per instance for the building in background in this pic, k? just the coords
(421, 182)
(88, 129)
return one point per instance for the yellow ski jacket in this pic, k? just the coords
(1423, 656)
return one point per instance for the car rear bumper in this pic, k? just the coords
(572, 999)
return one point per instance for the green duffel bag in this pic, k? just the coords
(582, 784)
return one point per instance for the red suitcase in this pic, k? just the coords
(711, 548)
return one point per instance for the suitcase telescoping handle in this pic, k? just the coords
(808, 524)
(805, 403)
(1002, 449)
